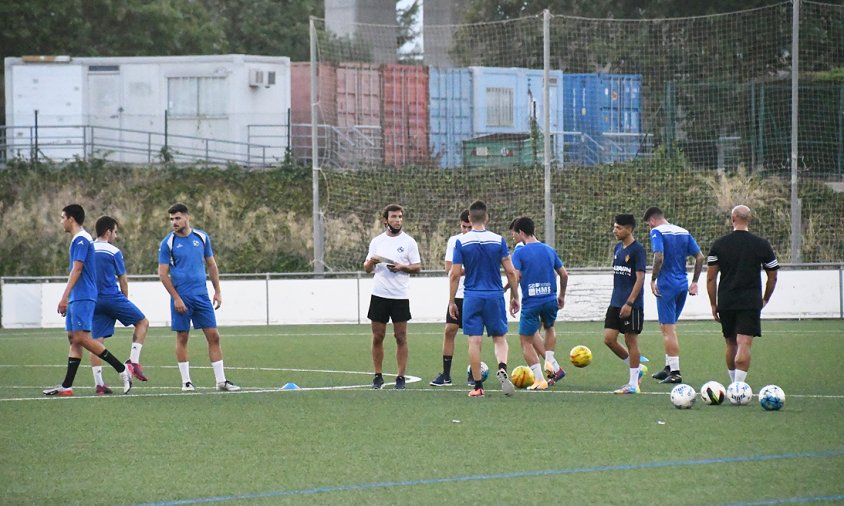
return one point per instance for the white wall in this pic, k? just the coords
(799, 294)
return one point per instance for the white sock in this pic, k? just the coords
(98, 375)
(634, 376)
(219, 374)
(135, 353)
(537, 371)
(549, 357)
(627, 360)
(184, 370)
(741, 375)
(667, 363)
(673, 363)
(732, 373)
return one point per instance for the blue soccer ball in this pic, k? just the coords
(484, 372)
(771, 398)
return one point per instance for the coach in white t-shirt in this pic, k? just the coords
(393, 256)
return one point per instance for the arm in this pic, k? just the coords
(770, 284)
(453, 281)
(712, 289)
(627, 308)
(659, 258)
(696, 274)
(214, 274)
(564, 281)
(513, 279)
(164, 276)
(123, 281)
(369, 264)
(408, 268)
(75, 273)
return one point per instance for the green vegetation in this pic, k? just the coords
(260, 221)
(575, 444)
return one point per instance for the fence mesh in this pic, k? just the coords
(692, 115)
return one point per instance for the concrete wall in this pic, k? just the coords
(799, 294)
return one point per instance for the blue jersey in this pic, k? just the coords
(480, 252)
(82, 250)
(110, 266)
(538, 264)
(626, 262)
(186, 257)
(676, 244)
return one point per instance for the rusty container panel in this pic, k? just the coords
(358, 95)
(404, 112)
(300, 106)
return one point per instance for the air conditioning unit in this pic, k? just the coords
(256, 78)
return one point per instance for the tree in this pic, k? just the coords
(410, 51)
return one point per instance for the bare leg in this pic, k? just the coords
(182, 346)
(215, 351)
(378, 331)
(400, 332)
(611, 340)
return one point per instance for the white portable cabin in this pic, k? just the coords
(220, 107)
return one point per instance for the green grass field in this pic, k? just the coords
(337, 441)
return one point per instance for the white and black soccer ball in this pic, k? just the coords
(771, 398)
(484, 371)
(713, 393)
(683, 396)
(739, 393)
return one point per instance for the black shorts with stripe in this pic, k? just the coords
(633, 323)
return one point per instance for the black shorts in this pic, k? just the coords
(633, 324)
(747, 322)
(382, 310)
(459, 320)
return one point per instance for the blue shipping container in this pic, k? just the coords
(450, 113)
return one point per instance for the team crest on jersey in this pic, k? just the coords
(195, 243)
(626, 258)
(400, 249)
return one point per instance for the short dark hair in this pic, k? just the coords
(524, 224)
(626, 220)
(76, 212)
(512, 225)
(477, 212)
(391, 208)
(651, 212)
(104, 224)
(464, 215)
(178, 207)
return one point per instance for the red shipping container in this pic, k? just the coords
(358, 95)
(300, 106)
(404, 114)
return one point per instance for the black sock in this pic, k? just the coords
(479, 385)
(502, 365)
(447, 366)
(378, 375)
(112, 361)
(70, 375)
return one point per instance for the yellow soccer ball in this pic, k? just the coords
(580, 356)
(522, 377)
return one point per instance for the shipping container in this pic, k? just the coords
(300, 108)
(404, 112)
(358, 95)
(450, 113)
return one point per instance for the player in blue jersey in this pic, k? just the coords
(670, 284)
(183, 257)
(480, 254)
(113, 302)
(626, 312)
(538, 266)
(77, 305)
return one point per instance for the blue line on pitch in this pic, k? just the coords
(788, 500)
(521, 474)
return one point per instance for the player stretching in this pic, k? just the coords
(536, 264)
(113, 302)
(480, 254)
(77, 305)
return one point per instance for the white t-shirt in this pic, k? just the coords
(449, 257)
(402, 249)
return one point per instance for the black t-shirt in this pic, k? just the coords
(739, 257)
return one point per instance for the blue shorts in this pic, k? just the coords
(114, 307)
(199, 310)
(670, 303)
(535, 315)
(79, 316)
(480, 312)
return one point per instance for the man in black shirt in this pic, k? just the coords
(737, 303)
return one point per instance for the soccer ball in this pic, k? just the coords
(713, 393)
(580, 356)
(484, 372)
(522, 377)
(771, 398)
(739, 393)
(683, 396)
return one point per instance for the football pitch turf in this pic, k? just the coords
(337, 441)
